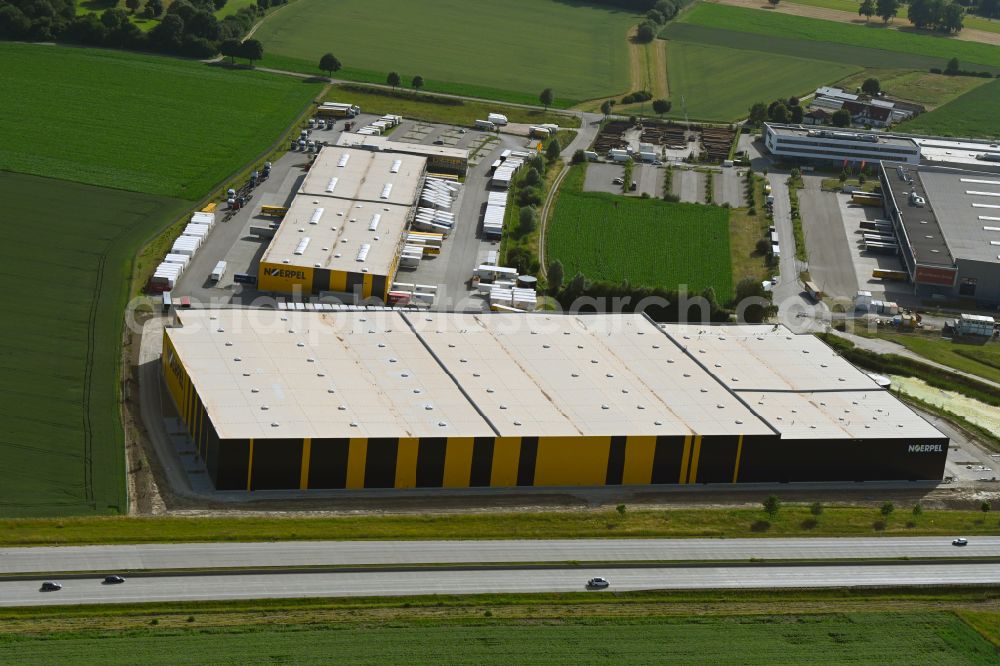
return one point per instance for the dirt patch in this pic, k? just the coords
(967, 34)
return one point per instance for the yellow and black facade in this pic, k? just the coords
(343, 460)
(309, 281)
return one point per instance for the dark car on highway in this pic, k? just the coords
(51, 586)
(113, 580)
(960, 541)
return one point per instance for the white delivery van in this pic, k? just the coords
(497, 118)
(219, 271)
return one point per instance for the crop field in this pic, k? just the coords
(974, 114)
(785, 34)
(511, 50)
(931, 90)
(141, 123)
(720, 83)
(648, 242)
(885, 638)
(64, 263)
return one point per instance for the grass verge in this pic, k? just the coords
(793, 520)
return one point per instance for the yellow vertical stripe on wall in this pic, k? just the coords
(250, 467)
(458, 462)
(506, 454)
(306, 455)
(356, 455)
(338, 281)
(366, 288)
(693, 478)
(406, 462)
(572, 461)
(739, 454)
(685, 458)
(639, 452)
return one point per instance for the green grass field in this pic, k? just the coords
(851, 6)
(751, 29)
(886, 638)
(510, 50)
(974, 114)
(982, 360)
(719, 83)
(931, 90)
(141, 123)
(435, 109)
(648, 242)
(65, 260)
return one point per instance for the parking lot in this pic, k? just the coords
(601, 178)
(450, 272)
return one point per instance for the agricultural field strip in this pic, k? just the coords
(824, 40)
(519, 45)
(829, 638)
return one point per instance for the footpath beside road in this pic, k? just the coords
(880, 346)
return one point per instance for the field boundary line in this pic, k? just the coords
(546, 212)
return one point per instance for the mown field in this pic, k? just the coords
(141, 123)
(931, 90)
(974, 114)
(648, 242)
(720, 83)
(785, 26)
(436, 109)
(885, 638)
(982, 360)
(64, 264)
(503, 50)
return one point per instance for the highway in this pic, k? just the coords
(200, 588)
(45, 560)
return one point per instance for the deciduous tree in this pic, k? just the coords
(393, 80)
(329, 64)
(546, 98)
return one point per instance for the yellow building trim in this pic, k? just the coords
(357, 453)
(572, 461)
(250, 467)
(506, 454)
(285, 278)
(639, 454)
(306, 455)
(366, 285)
(739, 454)
(685, 458)
(338, 281)
(458, 462)
(406, 462)
(693, 478)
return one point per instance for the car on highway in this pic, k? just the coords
(598, 583)
(51, 586)
(960, 541)
(439, 142)
(618, 181)
(114, 580)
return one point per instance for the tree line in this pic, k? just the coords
(940, 15)
(188, 27)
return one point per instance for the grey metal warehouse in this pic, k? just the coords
(947, 223)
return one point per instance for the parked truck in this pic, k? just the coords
(486, 125)
(497, 118)
(338, 110)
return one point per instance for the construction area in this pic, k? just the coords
(391, 399)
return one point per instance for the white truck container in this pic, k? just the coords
(497, 118)
(590, 155)
(619, 155)
(486, 125)
(219, 271)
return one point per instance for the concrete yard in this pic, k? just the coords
(601, 176)
(689, 185)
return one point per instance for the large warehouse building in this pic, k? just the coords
(392, 399)
(947, 223)
(344, 229)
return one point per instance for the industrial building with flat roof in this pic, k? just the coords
(947, 224)
(440, 158)
(391, 399)
(343, 231)
(838, 145)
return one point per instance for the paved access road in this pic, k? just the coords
(42, 561)
(434, 581)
